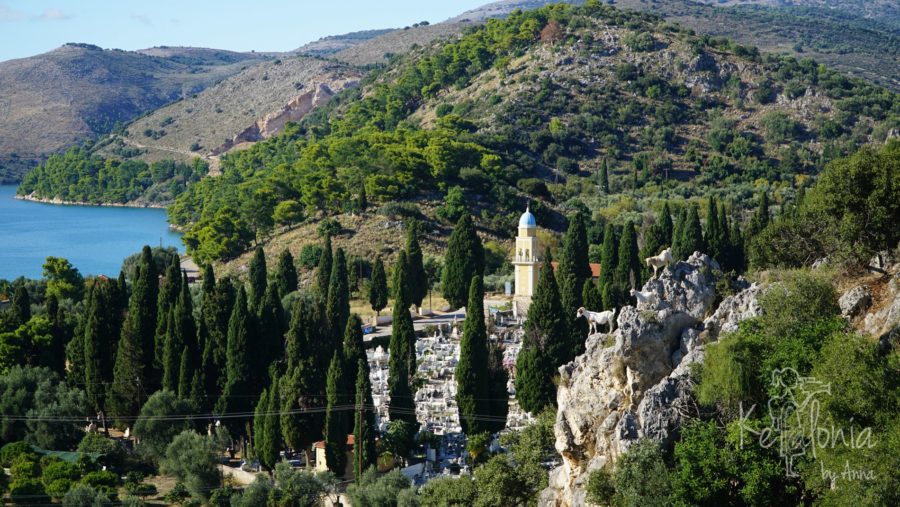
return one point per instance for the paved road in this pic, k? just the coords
(423, 322)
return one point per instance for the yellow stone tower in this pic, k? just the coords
(527, 260)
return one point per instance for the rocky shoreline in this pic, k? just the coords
(56, 200)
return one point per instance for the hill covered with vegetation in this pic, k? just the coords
(80, 91)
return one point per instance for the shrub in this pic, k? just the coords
(12, 450)
(329, 227)
(28, 492)
(642, 41)
(600, 488)
(309, 256)
(191, 458)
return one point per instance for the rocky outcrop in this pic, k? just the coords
(636, 382)
(885, 317)
(271, 124)
(855, 301)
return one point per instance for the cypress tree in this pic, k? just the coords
(738, 257)
(546, 318)
(337, 307)
(238, 368)
(691, 236)
(216, 306)
(323, 272)
(60, 331)
(628, 269)
(400, 280)
(364, 452)
(713, 234)
(472, 374)
(258, 279)
(302, 402)
(677, 233)
(99, 340)
(657, 237)
(335, 434)
(362, 202)
(604, 177)
(418, 280)
(590, 295)
(141, 320)
(128, 374)
(609, 256)
(21, 307)
(378, 292)
(297, 346)
(267, 427)
(171, 362)
(286, 275)
(209, 280)
(185, 375)
(354, 346)
(185, 326)
(270, 345)
(165, 301)
(498, 395)
(463, 260)
(760, 219)
(534, 371)
(402, 339)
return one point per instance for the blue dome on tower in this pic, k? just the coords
(527, 220)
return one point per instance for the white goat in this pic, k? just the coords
(659, 261)
(597, 319)
(643, 298)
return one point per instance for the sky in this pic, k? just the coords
(30, 27)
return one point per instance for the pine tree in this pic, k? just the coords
(604, 177)
(590, 295)
(472, 374)
(378, 292)
(463, 260)
(691, 236)
(335, 434)
(20, 312)
(628, 270)
(238, 367)
(403, 337)
(323, 272)
(99, 340)
(609, 256)
(364, 452)
(418, 280)
(497, 393)
(546, 318)
(286, 275)
(337, 306)
(165, 301)
(258, 278)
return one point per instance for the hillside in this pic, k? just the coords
(334, 43)
(535, 120)
(255, 102)
(80, 91)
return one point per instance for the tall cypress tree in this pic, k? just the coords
(691, 236)
(216, 306)
(185, 375)
(323, 272)
(546, 318)
(337, 307)
(418, 280)
(534, 370)
(21, 307)
(238, 367)
(463, 260)
(267, 427)
(100, 335)
(270, 344)
(286, 274)
(335, 434)
(760, 219)
(258, 278)
(657, 237)
(129, 382)
(497, 393)
(604, 177)
(303, 397)
(354, 346)
(677, 230)
(185, 326)
(573, 269)
(590, 295)
(401, 405)
(609, 257)
(165, 301)
(472, 374)
(400, 280)
(378, 291)
(141, 319)
(260, 436)
(629, 265)
(713, 234)
(364, 452)
(171, 360)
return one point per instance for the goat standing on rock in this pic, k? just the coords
(659, 261)
(597, 319)
(643, 298)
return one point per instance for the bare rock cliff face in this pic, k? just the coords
(636, 382)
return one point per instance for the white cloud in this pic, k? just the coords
(52, 15)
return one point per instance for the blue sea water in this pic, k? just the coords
(95, 239)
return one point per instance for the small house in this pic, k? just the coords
(322, 465)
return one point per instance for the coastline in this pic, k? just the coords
(58, 201)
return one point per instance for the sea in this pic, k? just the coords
(95, 239)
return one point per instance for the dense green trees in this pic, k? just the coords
(472, 374)
(337, 304)
(101, 331)
(162, 417)
(463, 260)
(239, 372)
(402, 347)
(267, 426)
(286, 274)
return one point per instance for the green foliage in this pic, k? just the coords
(83, 495)
(779, 127)
(50, 407)
(266, 427)
(286, 274)
(337, 304)
(239, 364)
(463, 260)
(472, 397)
(531, 449)
(63, 280)
(335, 435)
(449, 492)
(418, 281)
(159, 422)
(641, 477)
(309, 256)
(378, 292)
(191, 458)
(364, 428)
(374, 490)
(642, 41)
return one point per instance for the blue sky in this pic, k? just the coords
(29, 27)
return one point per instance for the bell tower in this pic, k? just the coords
(527, 261)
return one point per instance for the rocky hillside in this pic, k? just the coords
(334, 43)
(247, 107)
(80, 91)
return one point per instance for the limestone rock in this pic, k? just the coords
(855, 301)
